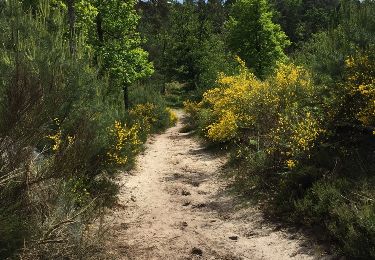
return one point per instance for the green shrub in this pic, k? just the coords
(303, 139)
(56, 114)
(149, 109)
(344, 209)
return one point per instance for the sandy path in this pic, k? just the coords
(174, 207)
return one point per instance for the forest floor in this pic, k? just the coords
(174, 205)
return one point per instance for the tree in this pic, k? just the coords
(111, 31)
(71, 19)
(254, 37)
(118, 44)
(300, 19)
(153, 27)
(185, 41)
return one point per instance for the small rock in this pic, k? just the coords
(186, 204)
(195, 184)
(184, 224)
(124, 225)
(200, 205)
(196, 251)
(235, 238)
(251, 233)
(185, 193)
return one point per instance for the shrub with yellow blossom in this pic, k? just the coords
(294, 135)
(173, 118)
(223, 130)
(273, 116)
(151, 118)
(234, 104)
(58, 139)
(126, 143)
(144, 115)
(192, 108)
(361, 85)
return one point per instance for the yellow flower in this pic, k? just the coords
(172, 116)
(291, 164)
(223, 130)
(57, 139)
(126, 143)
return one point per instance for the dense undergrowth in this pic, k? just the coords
(303, 138)
(64, 136)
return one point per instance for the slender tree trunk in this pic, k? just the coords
(72, 20)
(163, 89)
(99, 27)
(100, 34)
(126, 97)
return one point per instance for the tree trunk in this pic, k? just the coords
(71, 19)
(99, 28)
(126, 97)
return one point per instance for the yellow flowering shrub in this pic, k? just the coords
(271, 115)
(172, 116)
(128, 138)
(231, 104)
(58, 139)
(361, 83)
(291, 85)
(151, 118)
(126, 143)
(192, 108)
(144, 115)
(223, 130)
(295, 134)
(291, 164)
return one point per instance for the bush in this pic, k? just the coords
(346, 211)
(310, 156)
(63, 137)
(238, 107)
(149, 110)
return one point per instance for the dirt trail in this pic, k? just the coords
(174, 206)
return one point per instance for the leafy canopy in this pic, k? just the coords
(255, 38)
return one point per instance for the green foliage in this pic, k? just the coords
(346, 210)
(120, 54)
(61, 136)
(301, 133)
(240, 103)
(188, 47)
(312, 160)
(300, 19)
(147, 102)
(254, 37)
(52, 128)
(327, 51)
